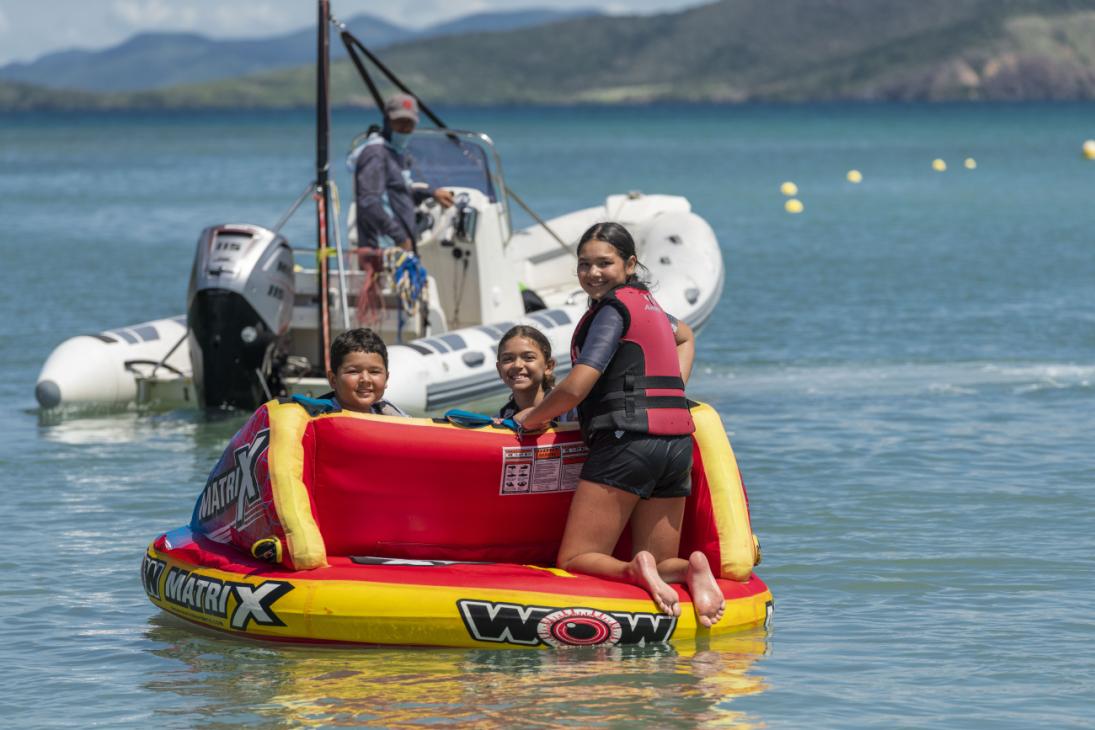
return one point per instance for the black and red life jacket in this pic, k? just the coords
(641, 389)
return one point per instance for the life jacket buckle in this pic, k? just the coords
(629, 395)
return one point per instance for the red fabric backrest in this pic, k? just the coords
(400, 489)
(394, 488)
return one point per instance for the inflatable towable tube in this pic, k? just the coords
(319, 525)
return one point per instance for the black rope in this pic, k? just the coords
(348, 41)
(155, 363)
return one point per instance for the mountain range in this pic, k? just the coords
(157, 60)
(727, 51)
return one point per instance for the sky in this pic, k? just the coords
(31, 28)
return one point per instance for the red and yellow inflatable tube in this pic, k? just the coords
(411, 532)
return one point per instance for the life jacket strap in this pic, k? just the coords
(652, 382)
(602, 418)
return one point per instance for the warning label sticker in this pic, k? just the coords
(541, 469)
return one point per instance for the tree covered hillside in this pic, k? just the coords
(729, 51)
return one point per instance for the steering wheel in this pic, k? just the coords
(432, 221)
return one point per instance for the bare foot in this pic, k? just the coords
(644, 572)
(707, 597)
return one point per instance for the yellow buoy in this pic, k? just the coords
(938, 165)
(970, 163)
(793, 206)
(1089, 149)
(789, 189)
(855, 176)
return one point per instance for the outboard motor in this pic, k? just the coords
(239, 306)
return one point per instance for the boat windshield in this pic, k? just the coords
(457, 159)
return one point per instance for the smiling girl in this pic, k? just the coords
(526, 367)
(631, 361)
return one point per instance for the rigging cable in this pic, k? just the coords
(308, 190)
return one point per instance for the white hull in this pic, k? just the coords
(142, 363)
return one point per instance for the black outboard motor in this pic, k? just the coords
(239, 307)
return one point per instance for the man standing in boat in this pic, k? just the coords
(385, 197)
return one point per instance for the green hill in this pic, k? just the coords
(734, 50)
(156, 60)
(19, 97)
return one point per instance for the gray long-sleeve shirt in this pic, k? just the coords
(603, 338)
(384, 196)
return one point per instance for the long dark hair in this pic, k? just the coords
(536, 336)
(619, 238)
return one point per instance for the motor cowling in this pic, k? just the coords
(239, 307)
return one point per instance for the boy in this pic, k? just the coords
(359, 374)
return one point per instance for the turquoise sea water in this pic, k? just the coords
(907, 371)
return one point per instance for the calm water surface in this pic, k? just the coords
(907, 371)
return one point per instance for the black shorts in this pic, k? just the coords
(649, 466)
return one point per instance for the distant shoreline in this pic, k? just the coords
(719, 53)
(582, 106)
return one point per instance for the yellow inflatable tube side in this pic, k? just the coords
(736, 541)
(305, 544)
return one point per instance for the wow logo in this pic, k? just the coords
(513, 623)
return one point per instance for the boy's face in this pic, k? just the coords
(360, 380)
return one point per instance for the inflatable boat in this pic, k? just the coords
(251, 331)
(325, 526)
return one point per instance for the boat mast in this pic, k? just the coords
(323, 189)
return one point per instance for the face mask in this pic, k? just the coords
(399, 140)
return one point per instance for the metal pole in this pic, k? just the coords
(323, 192)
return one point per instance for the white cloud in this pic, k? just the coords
(214, 17)
(4, 24)
(159, 14)
(252, 17)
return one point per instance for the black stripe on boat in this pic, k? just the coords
(438, 345)
(147, 333)
(463, 389)
(456, 342)
(460, 390)
(558, 315)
